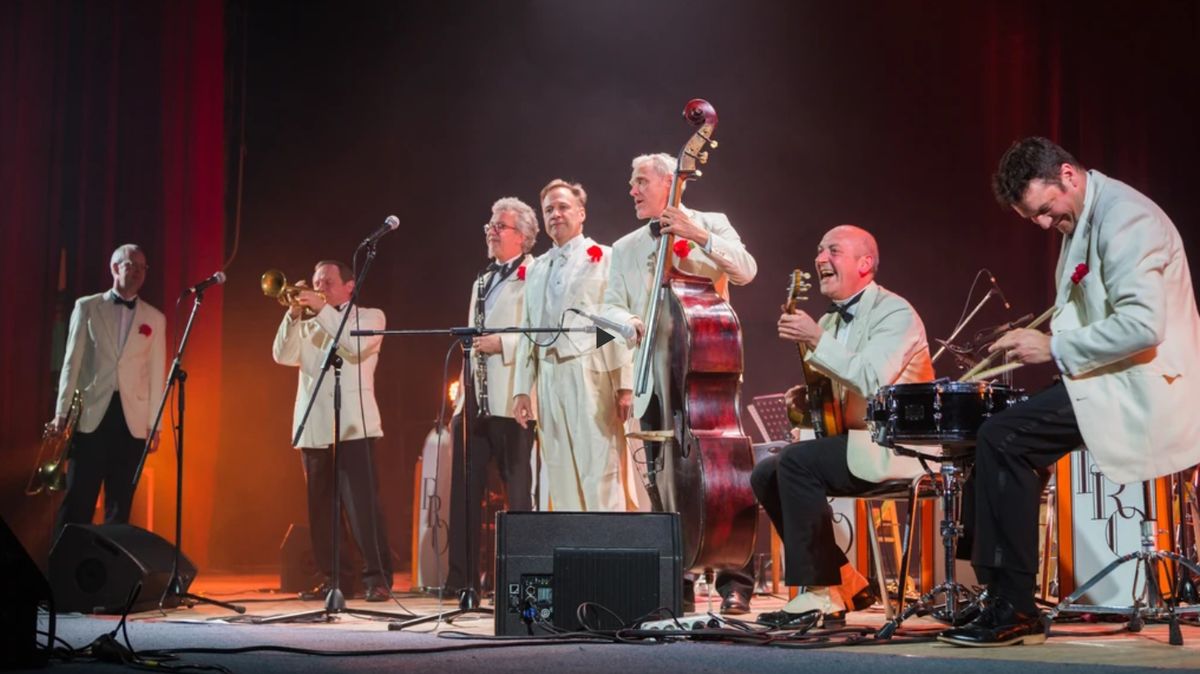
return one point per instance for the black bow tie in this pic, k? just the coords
(129, 303)
(502, 269)
(843, 310)
(655, 229)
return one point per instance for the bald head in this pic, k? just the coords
(847, 260)
(863, 241)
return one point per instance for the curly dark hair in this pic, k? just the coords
(1028, 160)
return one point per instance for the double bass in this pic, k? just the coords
(707, 463)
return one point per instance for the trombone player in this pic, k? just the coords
(116, 356)
(301, 343)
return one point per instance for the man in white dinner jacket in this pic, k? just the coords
(302, 343)
(116, 357)
(1125, 335)
(582, 434)
(497, 301)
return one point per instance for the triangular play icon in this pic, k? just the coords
(602, 337)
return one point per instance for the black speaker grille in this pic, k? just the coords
(91, 575)
(608, 588)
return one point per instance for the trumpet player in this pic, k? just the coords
(116, 356)
(302, 343)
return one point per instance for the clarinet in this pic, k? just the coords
(480, 358)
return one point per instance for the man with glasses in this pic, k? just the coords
(492, 434)
(116, 357)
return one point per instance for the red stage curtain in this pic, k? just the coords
(111, 131)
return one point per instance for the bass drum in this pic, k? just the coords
(946, 413)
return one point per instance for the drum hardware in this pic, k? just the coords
(1150, 603)
(948, 414)
(962, 603)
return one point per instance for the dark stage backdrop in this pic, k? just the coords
(890, 115)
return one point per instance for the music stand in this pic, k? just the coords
(1151, 604)
(174, 593)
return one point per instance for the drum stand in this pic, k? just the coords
(961, 602)
(1151, 604)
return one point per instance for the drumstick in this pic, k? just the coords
(987, 362)
(992, 372)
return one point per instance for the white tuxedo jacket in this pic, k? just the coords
(886, 345)
(94, 364)
(507, 300)
(1127, 336)
(585, 291)
(303, 343)
(632, 271)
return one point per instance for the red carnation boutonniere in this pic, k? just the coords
(683, 247)
(1081, 270)
(521, 273)
(144, 329)
(595, 252)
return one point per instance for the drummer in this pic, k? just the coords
(869, 337)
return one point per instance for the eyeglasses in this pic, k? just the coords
(130, 264)
(496, 227)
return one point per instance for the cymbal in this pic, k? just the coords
(652, 436)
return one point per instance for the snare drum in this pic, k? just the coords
(947, 413)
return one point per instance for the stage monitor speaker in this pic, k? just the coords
(93, 569)
(23, 587)
(549, 564)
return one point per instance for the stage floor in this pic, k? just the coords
(1099, 646)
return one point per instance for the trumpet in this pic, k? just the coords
(50, 470)
(274, 284)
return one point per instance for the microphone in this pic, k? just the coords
(214, 280)
(996, 287)
(390, 224)
(623, 329)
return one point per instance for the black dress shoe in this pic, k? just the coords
(786, 620)
(863, 599)
(377, 593)
(998, 624)
(737, 602)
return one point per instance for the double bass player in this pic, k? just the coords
(706, 245)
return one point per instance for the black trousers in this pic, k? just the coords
(1012, 450)
(794, 486)
(108, 455)
(727, 581)
(498, 439)
(360, 509)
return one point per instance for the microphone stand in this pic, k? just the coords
(963, 324)
(335, 601)
(174, 593)
(468, 599)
